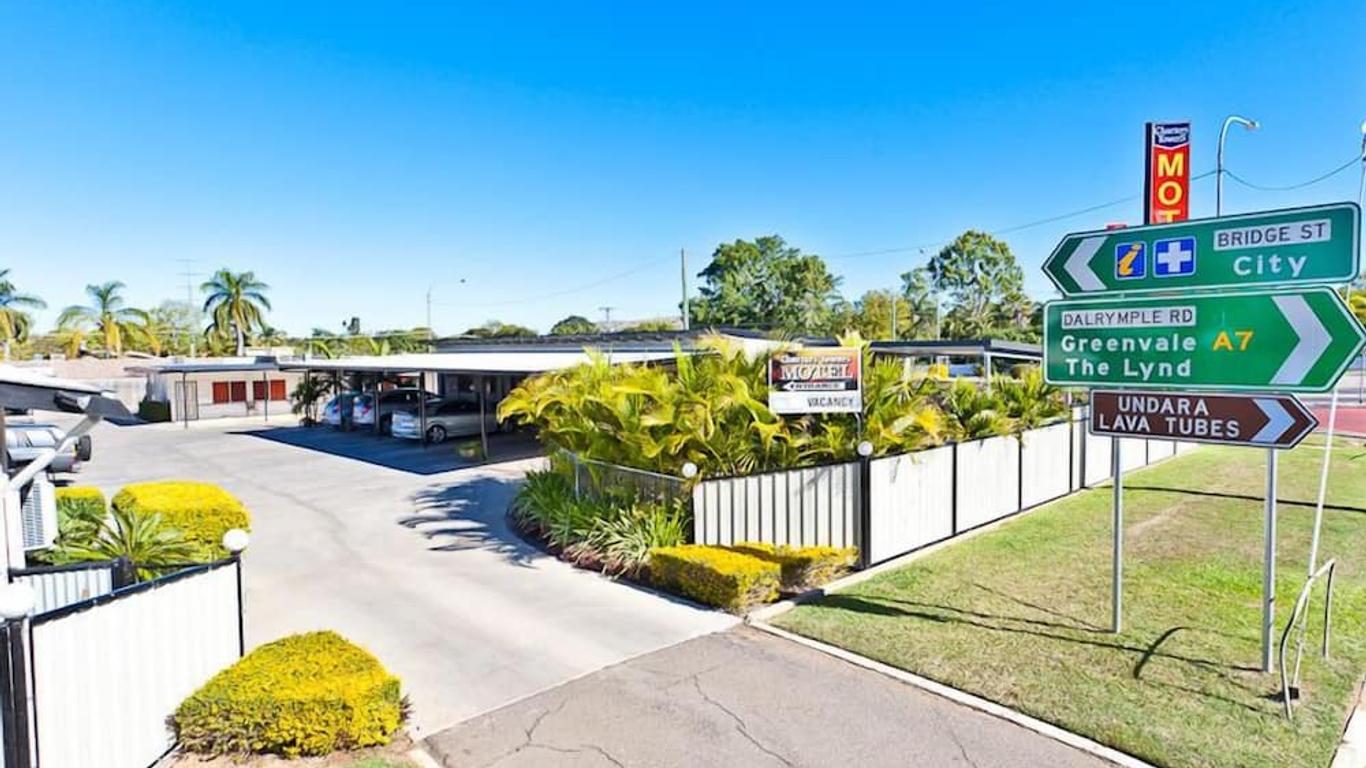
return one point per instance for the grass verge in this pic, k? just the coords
(1020, 615)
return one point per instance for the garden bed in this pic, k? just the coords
(1020, 615)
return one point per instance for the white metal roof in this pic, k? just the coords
(467, 362)
(11, 375)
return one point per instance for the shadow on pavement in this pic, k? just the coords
(393, 453)
(470, 516)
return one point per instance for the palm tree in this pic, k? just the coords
(14, 321)
(106, 312)
(153, 330)
(235, 302)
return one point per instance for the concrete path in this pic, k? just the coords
(420, 568)
(743, 698)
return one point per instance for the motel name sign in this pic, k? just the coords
(1314, 245)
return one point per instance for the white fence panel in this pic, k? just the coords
(1134, 453)
(988, 480)
(802, 507)
(1186, 447)
(105, 678)
(911, 501)
(1097, 458)
(58, 589)
(1160, 449)
(1045, 463)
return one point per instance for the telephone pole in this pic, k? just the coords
(189, 274)
(683, 273)
(607, 318)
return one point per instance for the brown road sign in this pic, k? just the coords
(1269, 421)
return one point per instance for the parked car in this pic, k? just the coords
(338, 406)
(445, 418)
(390, 402)
(23, 443)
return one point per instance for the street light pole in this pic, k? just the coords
(1247, 123)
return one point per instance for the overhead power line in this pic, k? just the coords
(1302, 184)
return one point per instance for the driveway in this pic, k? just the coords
(743, 698)
(419, 567)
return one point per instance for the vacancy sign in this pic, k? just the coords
(816, 380)
(1266, 421)
(1318, 244)
(1167, 182)
(1298, 340)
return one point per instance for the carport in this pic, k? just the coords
(483, 367)
(987, 350)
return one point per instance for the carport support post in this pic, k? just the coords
(422, 406)
(483, 428)
(265, 397)
(1269, 564)
(185, 400)
(1117, 566)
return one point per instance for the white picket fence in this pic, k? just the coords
(914, 499)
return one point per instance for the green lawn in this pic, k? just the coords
(1020, 615)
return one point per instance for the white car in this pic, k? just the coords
(390, 402)
(332, 412)
(445, 418)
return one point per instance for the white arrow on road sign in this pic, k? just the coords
(1278, 421)
(1077, 267)
(1313, 339)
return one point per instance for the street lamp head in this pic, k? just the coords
(17, 600)
(865, 449)
(689, 470)
(236, 540)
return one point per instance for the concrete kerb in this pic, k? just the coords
(1352, 749)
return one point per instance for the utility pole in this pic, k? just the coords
(893, 315)
(189, 275)
(429, 312)
(683, 273)
(607, 318)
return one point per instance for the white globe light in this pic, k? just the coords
(865, 449)
(16, 600)
(236, 540)
(690, 470)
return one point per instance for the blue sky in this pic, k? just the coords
(352, 156)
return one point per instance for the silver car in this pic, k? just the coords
(24, 442)
(445, 418)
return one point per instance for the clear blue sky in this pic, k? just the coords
(352, 156)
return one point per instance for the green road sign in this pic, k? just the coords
(1297, 340)
(1318, 244)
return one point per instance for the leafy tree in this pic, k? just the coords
(574, 325)
(985, 286)
(871, 317)
(14, 320)
(235, 303)
(1356, 300)
(497, 329)
(180, 321)
(765, 283)
(917, 290)
(106, 313)
(151, 331)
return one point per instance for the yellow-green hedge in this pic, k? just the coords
(715, 575)
(82, 501)
(202, 512)
(803, 568)
(308, 694)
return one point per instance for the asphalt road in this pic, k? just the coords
(369, 538)
(743, 698)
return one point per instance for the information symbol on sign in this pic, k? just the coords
(1175, 257)
(1130, 261)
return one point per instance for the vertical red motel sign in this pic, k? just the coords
(1167, 173)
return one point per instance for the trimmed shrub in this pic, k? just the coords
(715, 575)
(308, 694)
(81, 510)
(803, 568)
(202, 512)
(154, 410)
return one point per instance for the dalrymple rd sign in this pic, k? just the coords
(1267, 421)
(816, 380)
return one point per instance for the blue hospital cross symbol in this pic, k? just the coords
(1174, 257)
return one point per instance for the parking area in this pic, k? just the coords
(377, 539)
(398, 454)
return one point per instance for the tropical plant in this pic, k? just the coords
(236, 304)
(624, 540)
(1027, 400)
(14, 319)
(973, 412)
(112, 321)
(142, 539)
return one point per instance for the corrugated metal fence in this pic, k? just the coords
(61, 585)
(914, 499)
(101, 676)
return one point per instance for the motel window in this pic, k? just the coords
(220, 392)
(238, 391)
(276, 388)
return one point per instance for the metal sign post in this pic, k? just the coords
(1269, 567)
(1117, 566)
